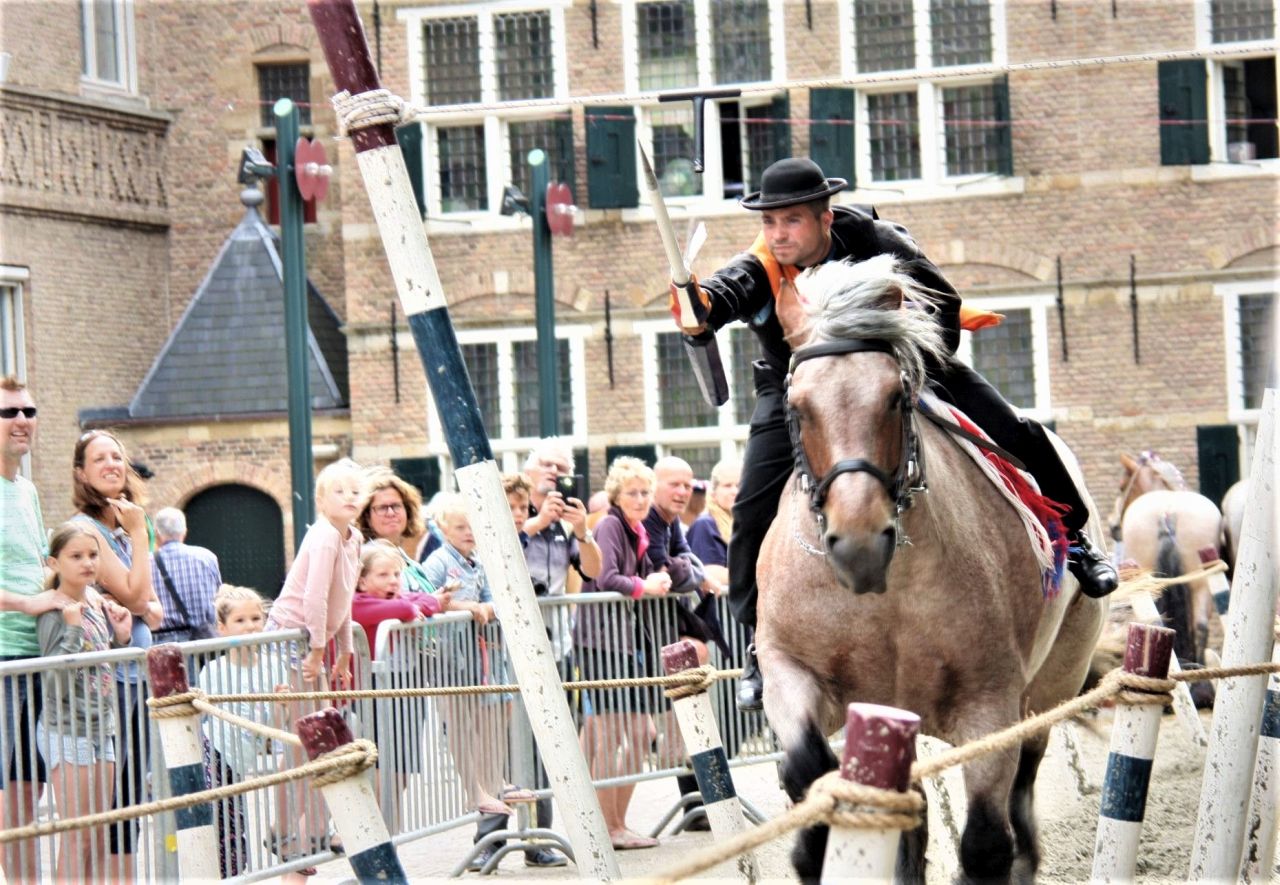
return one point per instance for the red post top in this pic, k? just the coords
(322, 731)
(1208, 555)
(879, 746)
(350, 62)
(168, 669)
(1147, 651)
(679, 656)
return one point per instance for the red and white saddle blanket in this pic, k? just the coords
(1041, 516)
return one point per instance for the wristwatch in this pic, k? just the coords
(587, 538)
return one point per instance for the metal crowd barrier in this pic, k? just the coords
(438, 756)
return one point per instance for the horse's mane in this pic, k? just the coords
(860, 300)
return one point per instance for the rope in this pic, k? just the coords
(708, 679)
(376, 107)
(194, 701)
(1207, 673)
(344, 762)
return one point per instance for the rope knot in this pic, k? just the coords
(1141, 690)
(376, 107)
(175, 706)
(846, 804)
(695, 680)
(348, 761)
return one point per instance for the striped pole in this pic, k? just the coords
(1249, 637)
(180, 741)
(706, 751)
(352, 803)
(1133, 746)
(1259, 857)
(1219, 586)
(879, 750)
(421, 294)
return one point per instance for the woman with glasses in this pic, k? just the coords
(392, 511)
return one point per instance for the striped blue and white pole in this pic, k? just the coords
(180, 742)
(352, 803)
(1133, 746)
(1219, 586)
(1257, 861)
(386, 179)
(879, 750)
(706, 751)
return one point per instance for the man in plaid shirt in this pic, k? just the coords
(186, 578)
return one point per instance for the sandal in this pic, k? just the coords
(517, 794)
(628, 840)
(494, 806)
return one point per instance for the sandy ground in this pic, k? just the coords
(1067, 800)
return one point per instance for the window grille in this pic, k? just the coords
(452, 63)
(973, 141)
(668, 54)
(742, 352)
(482, 367)
(1238, 20)
(886, 35)
(673, 152)
(527, 384)
(1005, 356)
(1257, 314)
(463, 181)
(525, 55)
(292, 81)
(680, 402)
(961, 32)
(740, 31)
(759, 147)
(700, 458)
(525, 135)
(894, 135)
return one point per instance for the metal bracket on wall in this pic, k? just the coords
(595, 35)
(395, 352)
(1133, 306)
(1062, 315)
(608, 335)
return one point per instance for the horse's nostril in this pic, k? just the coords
(888, 542)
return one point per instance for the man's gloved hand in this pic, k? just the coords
(701, 306)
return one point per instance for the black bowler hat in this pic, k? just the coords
(791, 181)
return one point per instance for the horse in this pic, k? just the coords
(871, 589)
(1233, 504)
(1163, 527)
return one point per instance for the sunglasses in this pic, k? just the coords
(15, 411)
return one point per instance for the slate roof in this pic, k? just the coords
(227, 353)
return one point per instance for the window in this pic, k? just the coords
(13, 345)
(503, 366)
(1235, 21)
(488, 57)
(289, 80)
(1014, 356)
(678, 44)
(1238, 98)
(1249, 321)
(945, 124)
(1245, 90)
(677, 418)
(106, 36)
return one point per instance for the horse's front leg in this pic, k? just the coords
(987, 846)
(801, 716)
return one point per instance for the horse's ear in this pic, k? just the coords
(890, 297)
(1130, 463)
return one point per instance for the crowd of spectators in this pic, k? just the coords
(110, 577)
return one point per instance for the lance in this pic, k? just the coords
(369, 115)
(701, 348)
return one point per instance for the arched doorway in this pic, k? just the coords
(246, 529)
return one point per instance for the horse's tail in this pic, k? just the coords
(1174, 601)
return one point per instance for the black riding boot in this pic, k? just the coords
(751, 684)
(1096, 574)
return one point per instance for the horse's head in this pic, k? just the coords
(1144, 472)
(850, 399)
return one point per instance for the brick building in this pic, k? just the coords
(1152, 183)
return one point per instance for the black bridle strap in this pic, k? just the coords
(854, 465)
(836, 348)
(980, 442)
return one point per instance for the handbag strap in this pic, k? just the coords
(168, 582)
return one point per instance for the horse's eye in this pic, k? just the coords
(895, 401)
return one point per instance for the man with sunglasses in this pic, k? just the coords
(22, 598)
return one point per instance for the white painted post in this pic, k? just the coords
(1233, 743)
(1133, 747)
(1258, 859)
(705, 747)
(366, 841)
(1144, 609)
(180, 741)
(879, 749)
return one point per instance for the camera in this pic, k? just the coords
(570, 486)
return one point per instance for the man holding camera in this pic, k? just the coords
(558, 538)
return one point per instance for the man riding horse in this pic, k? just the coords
(801, 229)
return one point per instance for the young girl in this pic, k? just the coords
(235, 753)
(77, 723)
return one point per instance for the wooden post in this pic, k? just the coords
(1219, 587)
(1133, 746)
(1259, 857)
(422, 297)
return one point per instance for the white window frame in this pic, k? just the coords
(497, 153)
(1230, 294)
(725, 432)
(12, 322)
(1215, 97)
(126, 55)
(1039, 306)
(508, 449)
(928, 84)
(713, 173)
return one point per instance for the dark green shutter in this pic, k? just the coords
(409, 138)
(1182, 100)
(611, 158)
(565, 154)
(647, 454)
(421, 473)
(780, 114)
(1218, 456)
(831, 144)
(1004, 131)
(582, 467)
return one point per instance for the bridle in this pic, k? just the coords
(908, 479)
